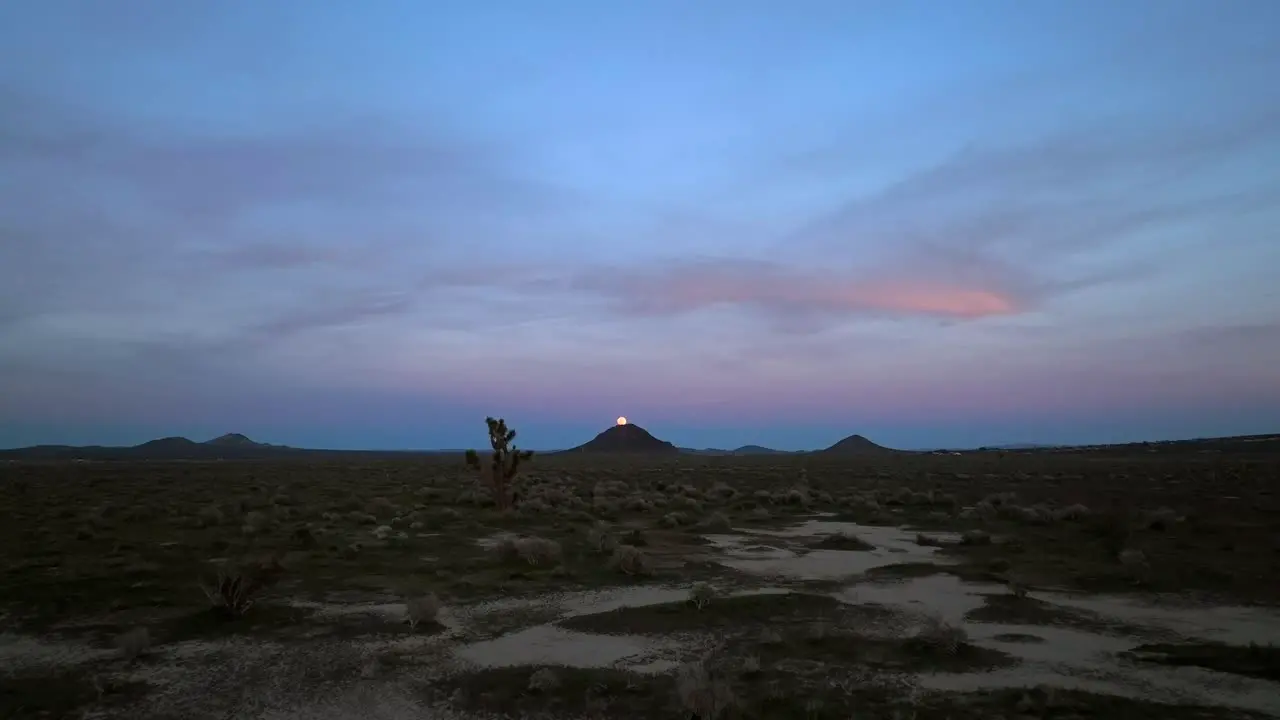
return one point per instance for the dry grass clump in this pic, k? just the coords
(716, 522)
(1160, 519)
(235, 589)
(630, 560)
(380, 507)
(133, 643)
(722, 492)
(938, 635)
(701, 594)
(255, 522)
(421, 609)
(543, 680)
(703, 693)
(601, 539)
(1071, 512)
(673, 520)
(537, 551)
(210, 516)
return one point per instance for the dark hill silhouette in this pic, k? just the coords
(757, 450)
(627, 439)
(234, 440)
(167, 444)
(856, 445)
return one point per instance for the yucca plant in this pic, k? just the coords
(504, 463)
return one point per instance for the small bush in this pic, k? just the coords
(543, 680)
(211, 516)
(673, 520)
(421, 609)
(938, 635)
(538, 551)
(717, 522)
(704, 694)
(701, 594)
(234, 590)
(630, 560)
(1072, 512)
(133, 643)
(600, 538)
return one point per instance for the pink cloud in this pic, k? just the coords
(777, 288)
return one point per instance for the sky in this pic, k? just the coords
(370, 225)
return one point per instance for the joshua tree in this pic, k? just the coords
(505, 463)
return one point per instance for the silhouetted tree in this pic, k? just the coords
(504, 464)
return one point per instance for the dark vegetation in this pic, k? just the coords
(212, 549)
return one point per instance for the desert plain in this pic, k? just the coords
(1132, 582)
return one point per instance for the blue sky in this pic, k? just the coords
(372, 224)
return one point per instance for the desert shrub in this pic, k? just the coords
(538, 551)
(255, 522)
(235, 589)
(210, 516)
(504, 463)
(636, 537)
(600, 538)
(722, 491)
(362, 518)
(702, 692)
(938, 635)
(1134, 562)
(421, 609)
(925, 541)
(717, 522)
(1071, 512)
(673, 520)
(1160, 519)
(133, 643)
(504, 548)
(543, 680)
(380, 507)
(630, 560)
(304, 536)
(701, 594)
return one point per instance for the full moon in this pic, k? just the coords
(622, 421)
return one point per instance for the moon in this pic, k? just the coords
(622, 421)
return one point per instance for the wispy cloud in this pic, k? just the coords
(782, 291)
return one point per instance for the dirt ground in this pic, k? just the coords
(986, 585)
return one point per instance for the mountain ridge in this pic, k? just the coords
(235, 446)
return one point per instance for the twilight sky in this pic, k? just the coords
(371, 224)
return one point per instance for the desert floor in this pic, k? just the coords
(1015, 585)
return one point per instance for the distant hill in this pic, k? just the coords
(229, 446)
(625, 439)
(758, 450)
(234, 440)
(629, 439)
(856, 445)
